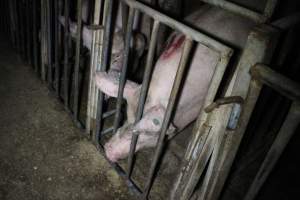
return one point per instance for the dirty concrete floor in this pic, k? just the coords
(42, 154)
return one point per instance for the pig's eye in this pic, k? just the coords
(155, 122)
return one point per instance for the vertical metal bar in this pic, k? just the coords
(56, 48)
(35, 35)
(28, 28)
(77, 60)
(94, 49)
(103, 67)
(124, 68)
(286, 132)
(42, 38)
(174, 93)
(144, 91)
(49, 43)
(66, 55)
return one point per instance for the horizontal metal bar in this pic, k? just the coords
(276, 81)
(232, 7)
(106, 131)
(108, 113)
(186, 30)
(287, 22)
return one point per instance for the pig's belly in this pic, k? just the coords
(195, 86)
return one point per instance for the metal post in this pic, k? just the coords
(124, 68)
(144, 90)
(35, 35)
(49, 43)
(77, 61)
(103, 67)
(66, 55)
(56, 47)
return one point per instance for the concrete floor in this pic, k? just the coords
(42, 154)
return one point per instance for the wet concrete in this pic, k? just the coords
(42, 154)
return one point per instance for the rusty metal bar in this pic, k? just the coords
(144, 90)
(171, 104)
(124, 68)
(77, 60)
(66, 54)
(285, 134)
(276, 81)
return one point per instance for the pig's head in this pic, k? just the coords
(147, 128)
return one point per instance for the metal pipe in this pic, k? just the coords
(49, 43)
(108, 114)
(124, 68)
(77, 60)
(66, 55)
(276, 81)
(232, 7)
(287, 22)
(167, 119)
(103, 67)
(28, 28)
(35, 35)
(144, 90)
(56, 47)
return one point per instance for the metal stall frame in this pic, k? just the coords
(218, 142)
(224, 51)
(255, 16)
(290, 89)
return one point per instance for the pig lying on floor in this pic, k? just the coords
(231, 28)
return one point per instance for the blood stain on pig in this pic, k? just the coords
(172, 46)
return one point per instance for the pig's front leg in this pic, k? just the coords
(148, 129)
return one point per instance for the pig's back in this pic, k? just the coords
(202, 66)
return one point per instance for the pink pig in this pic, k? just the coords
(231, 28)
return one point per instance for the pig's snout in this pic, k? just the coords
(116, 152)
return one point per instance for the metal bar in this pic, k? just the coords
(28, 28)
(171, 104)
(269, 9)
(106, 131)
(77, 60)
(257, 50)
(232, 7)
(103, 67)
(286, 132)
(184, 29)
(66, 54)
(276, 81)
(56, 47)
(35, 35)
(124, 68)
(43, 50)
(94, 50)
(49, 43)
(287, 22)
(108, 114)
(144, 90)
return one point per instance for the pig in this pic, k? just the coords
(226, 26)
